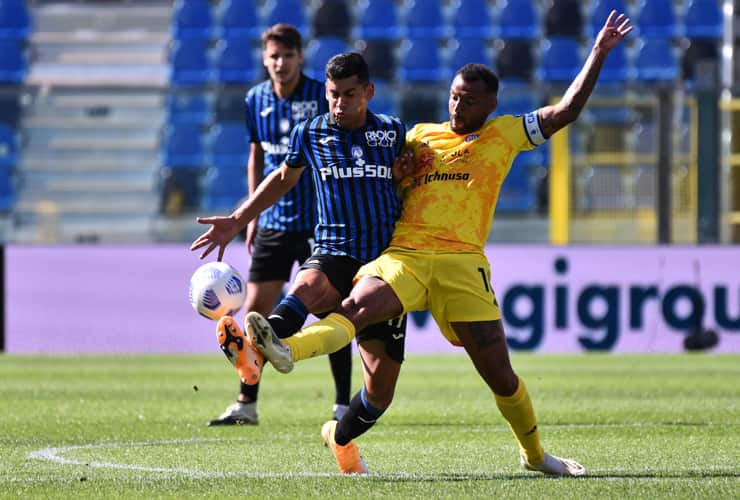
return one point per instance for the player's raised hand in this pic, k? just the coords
(615, 28)
(221, 232)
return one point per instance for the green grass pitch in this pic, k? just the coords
(134, 427)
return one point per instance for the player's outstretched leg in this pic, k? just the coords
(239, 413)
(347, 456)
(556, 466)
(263, 337)
(239, 351)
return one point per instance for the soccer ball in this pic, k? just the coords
(216, 290)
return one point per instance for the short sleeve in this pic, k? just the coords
(296, 156)
(250, 122)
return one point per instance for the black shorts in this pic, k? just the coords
(275, 252)
(341, 270)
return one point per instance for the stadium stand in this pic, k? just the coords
(377, 19)
(236, 61)
(13, 63)
(208, 54)
(703, 19)
(560, 60)
(424, 19)
(8, 147)
(421, 62)
(15, 21)
(318, 52)
(238, 19)
(287, 11)
(381, 58)
(190, 63)
(188, 107)
(472, 19)
(656, 18)
(599, 11)
(332, 18)
(515, 61)
(655, 60)
(517, 19)
(192, 19)
(564, 18)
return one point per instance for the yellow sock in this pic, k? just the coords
(517, 410)
(323, 337)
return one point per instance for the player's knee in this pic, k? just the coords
(379, 395)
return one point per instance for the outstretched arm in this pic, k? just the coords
(553, 118)
(223, 229)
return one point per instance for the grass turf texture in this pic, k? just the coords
(644, 426)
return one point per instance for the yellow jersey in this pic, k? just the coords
(449, 202)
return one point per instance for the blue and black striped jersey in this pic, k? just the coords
(352, 173)
(269, 120)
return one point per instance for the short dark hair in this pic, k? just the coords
(347, 65)
(283, 33)
(479, 72)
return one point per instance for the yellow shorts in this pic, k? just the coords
(455, 287)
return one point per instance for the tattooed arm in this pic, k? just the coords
(553, 118)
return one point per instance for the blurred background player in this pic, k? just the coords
(436, 261)
(350, 153)
(280, 237)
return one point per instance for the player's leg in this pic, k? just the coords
(370, 301)
(381, 349)
(485, 343)
(273, 256)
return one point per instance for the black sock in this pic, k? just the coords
(288, 316)
(248, 393)
(358, 419)
(341, 368)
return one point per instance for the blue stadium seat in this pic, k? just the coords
(472, 19)
(318, 53)
(600, 12)
(228, 146)
(515, 100)
(236, 61)
(518, 19)
(515, 61)
(189, 63)
(560, 60)
(703, 19)
(238, 19)
(15, 21)
(7, 190)
(616, 68)
(188, 107)
(384, 100)
(13, 64)
(656, 18)
(421, 62)
(377, 19)
(8, 147)
(191, 19)
(467, 50)
(223, 189)
(655, 60)
(518, 192)
(424, 19)
(287, 11)
(182, 146)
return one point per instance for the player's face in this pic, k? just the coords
(469, 105)
(348, 100)
(283, 63)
